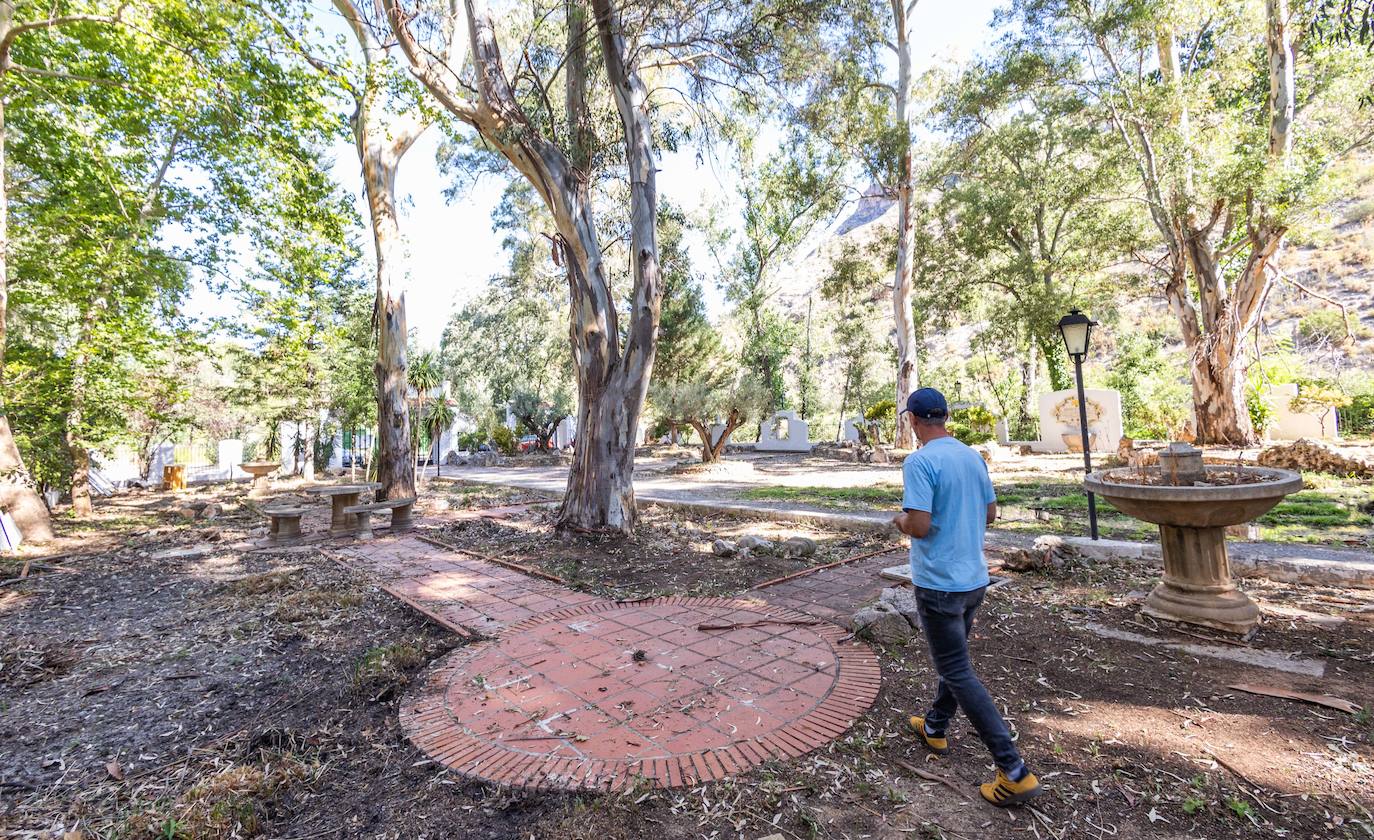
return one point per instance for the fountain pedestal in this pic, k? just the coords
(1192, 519)
(1197, 586)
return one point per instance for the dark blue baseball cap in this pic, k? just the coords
(928, 403)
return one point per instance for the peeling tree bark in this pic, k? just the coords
(903, 328)
(380, 145)
(612, 382)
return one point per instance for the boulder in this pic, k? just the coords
(992, 451)
(882, 624)
(798, 547)
(451, 459)
(754, 543)
(210, 511)
(723, 548)
(1317, 456)
(1048, 551)
(186, 512)
(902, 599)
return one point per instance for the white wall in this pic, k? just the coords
(1059, 416)
(1291, 425)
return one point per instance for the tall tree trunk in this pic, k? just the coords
(904, 328)
(76, 418)
(18, 494)
(381, 143)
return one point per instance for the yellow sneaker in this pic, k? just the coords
(939, 746)
(1002, 791)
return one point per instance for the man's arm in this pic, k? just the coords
(992, 512)
(913, 523)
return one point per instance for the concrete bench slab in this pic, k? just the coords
(362, 515)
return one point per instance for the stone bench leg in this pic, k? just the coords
(285, 528)
(400, 519)
(362, 525)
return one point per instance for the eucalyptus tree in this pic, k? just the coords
(784, 198)
(624, 72)
(864, 103)
(1033, 202)
(1231, 121)
(389, 116)
(852, 287)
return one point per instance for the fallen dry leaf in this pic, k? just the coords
(116, 772)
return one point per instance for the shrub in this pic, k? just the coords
(967, 434)
(471, 440)
(883, 413)
(1261, 409)
(1322, 326)
(1357, 418)
(505, 440)
(1360, 211)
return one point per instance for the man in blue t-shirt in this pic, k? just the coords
(947, 504)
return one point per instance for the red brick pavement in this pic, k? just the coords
(834, 593)
(596, 696)
(462, 592)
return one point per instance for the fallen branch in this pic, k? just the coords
(741, 624)
(1340, 704)
(932, 777)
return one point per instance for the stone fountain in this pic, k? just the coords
(260, 470)
(1193, 504)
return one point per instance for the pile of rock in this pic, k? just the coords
(1317, 456)
(890, 621)
(792, 547)
(200, 510)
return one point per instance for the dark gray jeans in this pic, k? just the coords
(947, 618)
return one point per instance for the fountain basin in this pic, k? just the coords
(1205, 506)
(1197, 586)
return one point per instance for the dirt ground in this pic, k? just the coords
(225, 693)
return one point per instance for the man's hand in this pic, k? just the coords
(913, 523)
(992, 512)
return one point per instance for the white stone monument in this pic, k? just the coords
(851, 428)
(784, 432)
(1292, 425)
(1059, 423)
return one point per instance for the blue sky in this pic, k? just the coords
(453, 250)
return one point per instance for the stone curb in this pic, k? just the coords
(1248, 561)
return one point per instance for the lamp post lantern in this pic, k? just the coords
(1076, 330)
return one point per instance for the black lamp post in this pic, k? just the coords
(1076, 329)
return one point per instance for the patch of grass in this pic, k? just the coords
(383, 668)
(265, 582)
(309, 604)
(230, 802)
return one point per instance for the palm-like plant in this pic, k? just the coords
(440, 417)
(425, 377)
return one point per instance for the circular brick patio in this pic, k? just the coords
(595, 696)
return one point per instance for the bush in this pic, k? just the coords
(470, 441)
(1261, 409)
(884, 414)
(1357, 418)
(1321, 326)
(505, 440)
(967, 434)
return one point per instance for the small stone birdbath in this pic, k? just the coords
(342, 496)
(1193, 505)
(260, 470)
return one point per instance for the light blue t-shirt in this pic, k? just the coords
(950, 482)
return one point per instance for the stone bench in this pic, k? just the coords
(400, 515)
(284, 524)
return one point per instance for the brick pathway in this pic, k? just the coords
(583, 693)
(463, 592)
(835, 593)
(594, 697)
